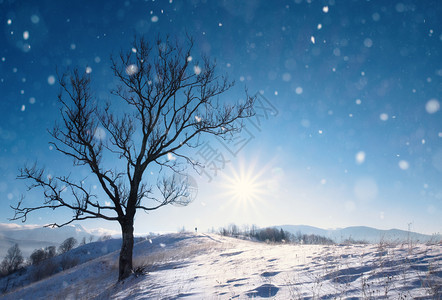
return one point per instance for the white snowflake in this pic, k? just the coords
(131, 69)
(432, 106)
(51, 80)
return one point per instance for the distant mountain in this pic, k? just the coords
(30, 237)
(362, 233)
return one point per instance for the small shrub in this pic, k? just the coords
(43, 270)
(351, 241)
(105, 237)
(141, 270)
(68, 262)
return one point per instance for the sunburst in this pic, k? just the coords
(245, 185)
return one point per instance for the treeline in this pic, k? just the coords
(43, 258)
(311, 239)
(273, 235)
(15, 261)
(16, 270)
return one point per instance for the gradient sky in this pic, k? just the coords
(348, 130)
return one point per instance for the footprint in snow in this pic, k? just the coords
(264, 291)
(269, 274)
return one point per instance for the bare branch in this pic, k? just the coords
(169, 101)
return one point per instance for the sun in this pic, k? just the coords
(244, 191)
(245, 188)
(244, 185)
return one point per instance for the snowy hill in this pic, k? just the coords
(362, 233)
(30, 237)
(208, 266)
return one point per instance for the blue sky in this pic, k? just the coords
(349, 129)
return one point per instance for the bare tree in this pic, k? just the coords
(12, 261)
(67, 245)
(50, 252)
(170, 100)
(39, 255)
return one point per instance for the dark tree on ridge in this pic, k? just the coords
(67, 245)
(12, 261)
(169, 102)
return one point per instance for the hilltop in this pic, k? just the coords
(209, 266)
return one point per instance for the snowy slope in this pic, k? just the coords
(208, 266)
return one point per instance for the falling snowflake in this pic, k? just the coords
(131, 69)
(368, 43)
(400, 7)
(360, 157)
(197, 70)
(404, 165)
(51, 79)
(286, 77)
(100, 134)
(383, 117)
(35, 19)
(432, 106)
(376, 17)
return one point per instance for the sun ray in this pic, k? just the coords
(244, 186)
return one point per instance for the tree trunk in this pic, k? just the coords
(125, 263)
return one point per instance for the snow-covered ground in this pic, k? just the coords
(209, 266)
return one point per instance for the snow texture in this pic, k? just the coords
(208, 266)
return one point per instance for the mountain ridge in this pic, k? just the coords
(362, 233)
